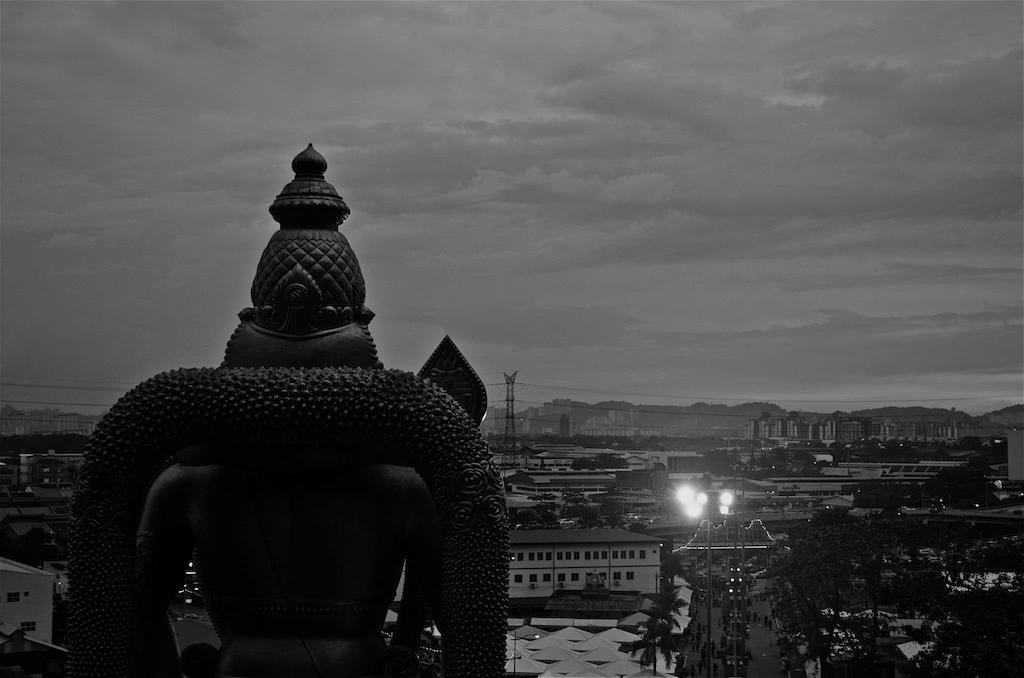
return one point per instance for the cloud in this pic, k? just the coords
(559, 182)
(901, 273)
(844, 344)
(534, 326)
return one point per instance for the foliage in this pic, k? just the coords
(657, 635)
(527, 516)
(886, 495)
(837, 564)
(589, 517)
(548, 515)
(601, 461)
(41, 442)
(612, 510)
(815, 579)
(962, 486)
(32, 548)
(980, 635)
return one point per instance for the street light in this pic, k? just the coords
(694, 504)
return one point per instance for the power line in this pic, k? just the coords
(53, 402)
(755, 399)
(640, 411)
(29, 384)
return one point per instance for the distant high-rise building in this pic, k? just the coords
(1015, 453)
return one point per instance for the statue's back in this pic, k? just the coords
(299, 564)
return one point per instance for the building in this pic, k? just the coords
(1015, 454)
(545, 561)
(26, 599)
(8, 474)
(558, 482)
(51, 468)
(676, 461)
(16, 422)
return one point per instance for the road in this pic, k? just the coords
(762, 644)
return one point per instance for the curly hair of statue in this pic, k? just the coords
(297, 405)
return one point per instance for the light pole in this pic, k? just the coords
(694, 505)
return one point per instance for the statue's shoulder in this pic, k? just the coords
(394, 478)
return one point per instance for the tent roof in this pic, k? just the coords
(529, 632)
(550, 655)
(594, 643)
(911, 648)
(602, 655)
(621, 667)
(618, 635)
(572, 634)
(634, 619)
(575, 667)
(684, 621)
(547, 641)
(523, 665)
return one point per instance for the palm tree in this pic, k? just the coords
(658, 630)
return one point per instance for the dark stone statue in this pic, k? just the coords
(301, 475)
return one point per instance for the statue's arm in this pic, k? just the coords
(163, 547)
(422, 575)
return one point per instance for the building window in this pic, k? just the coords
(561, 576)
(604, 555)
(604, 576)
(629, 575)
(547, 555)
(546, 576)
(28, 626)
(575, 576)
(643, 553)
(615, 554)
(519, 557)
(533, 579)
(13, 597)
(616, 575)
(559, 555)
(586, 555)
(575, 555)
(518, 579)
(632, 554)
(529, 556)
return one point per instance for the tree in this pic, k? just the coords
(661, 621)
(613, 511)
(589, 517)
(815, 579)
(527, 516)
(964, 486)
(602, 460)
(981, 634)
(548, 513)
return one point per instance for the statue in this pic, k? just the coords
(302, 475)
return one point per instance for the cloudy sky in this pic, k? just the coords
(816, 203)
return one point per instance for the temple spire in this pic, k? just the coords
(309, 201)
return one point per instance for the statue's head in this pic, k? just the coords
(308, 295)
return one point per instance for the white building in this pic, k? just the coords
(26, 599)
(546, 560)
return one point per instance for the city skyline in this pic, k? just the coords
(812, 204)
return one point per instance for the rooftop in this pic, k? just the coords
(593, 536)
(8, 565)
